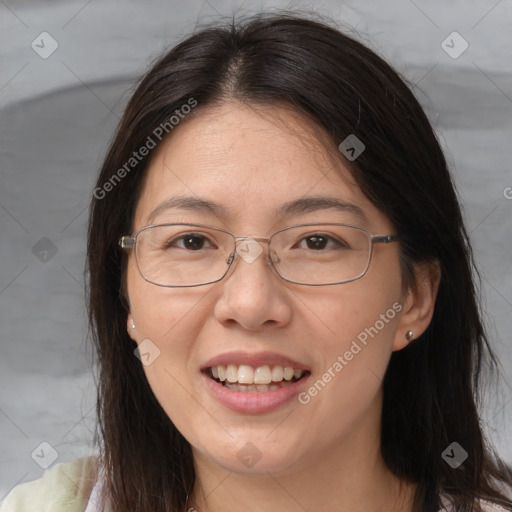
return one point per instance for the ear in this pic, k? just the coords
(418, 304)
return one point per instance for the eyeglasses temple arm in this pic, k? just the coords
(385, 239)
(127, 242)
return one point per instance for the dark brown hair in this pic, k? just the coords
(431, 388)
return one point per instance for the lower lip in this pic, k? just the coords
(254, 403)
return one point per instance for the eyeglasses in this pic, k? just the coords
(179, 255)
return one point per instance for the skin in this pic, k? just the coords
(324, 455)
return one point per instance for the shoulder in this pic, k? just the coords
(484, 505)
(506, 490)
(487, 506)
(65, 487)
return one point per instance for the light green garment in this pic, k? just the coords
(65, 487)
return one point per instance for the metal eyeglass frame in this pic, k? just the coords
(130, 241)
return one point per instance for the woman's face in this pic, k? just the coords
(252, 161)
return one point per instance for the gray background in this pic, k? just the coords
(57, 115)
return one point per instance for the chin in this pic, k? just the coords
(251, 454)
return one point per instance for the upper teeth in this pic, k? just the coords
(245, 374)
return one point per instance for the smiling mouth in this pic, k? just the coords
(248, 379)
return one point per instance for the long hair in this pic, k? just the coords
(431, 388)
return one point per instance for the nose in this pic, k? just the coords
(252, 293)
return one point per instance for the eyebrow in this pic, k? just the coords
(317, 203)
(299, 206)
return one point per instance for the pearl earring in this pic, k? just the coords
(133, 325)
(409, 335)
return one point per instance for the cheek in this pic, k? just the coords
(156, 310)
(162, 333)
(358, 329)
(354, 312)
(164, 330)
(353, 356)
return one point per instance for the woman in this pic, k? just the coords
(281, 292)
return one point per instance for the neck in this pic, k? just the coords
(351, 477)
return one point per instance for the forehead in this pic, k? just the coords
(250, 160)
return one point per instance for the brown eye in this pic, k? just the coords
(189, 241)
(318, 242)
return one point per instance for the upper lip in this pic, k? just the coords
(254, 360)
